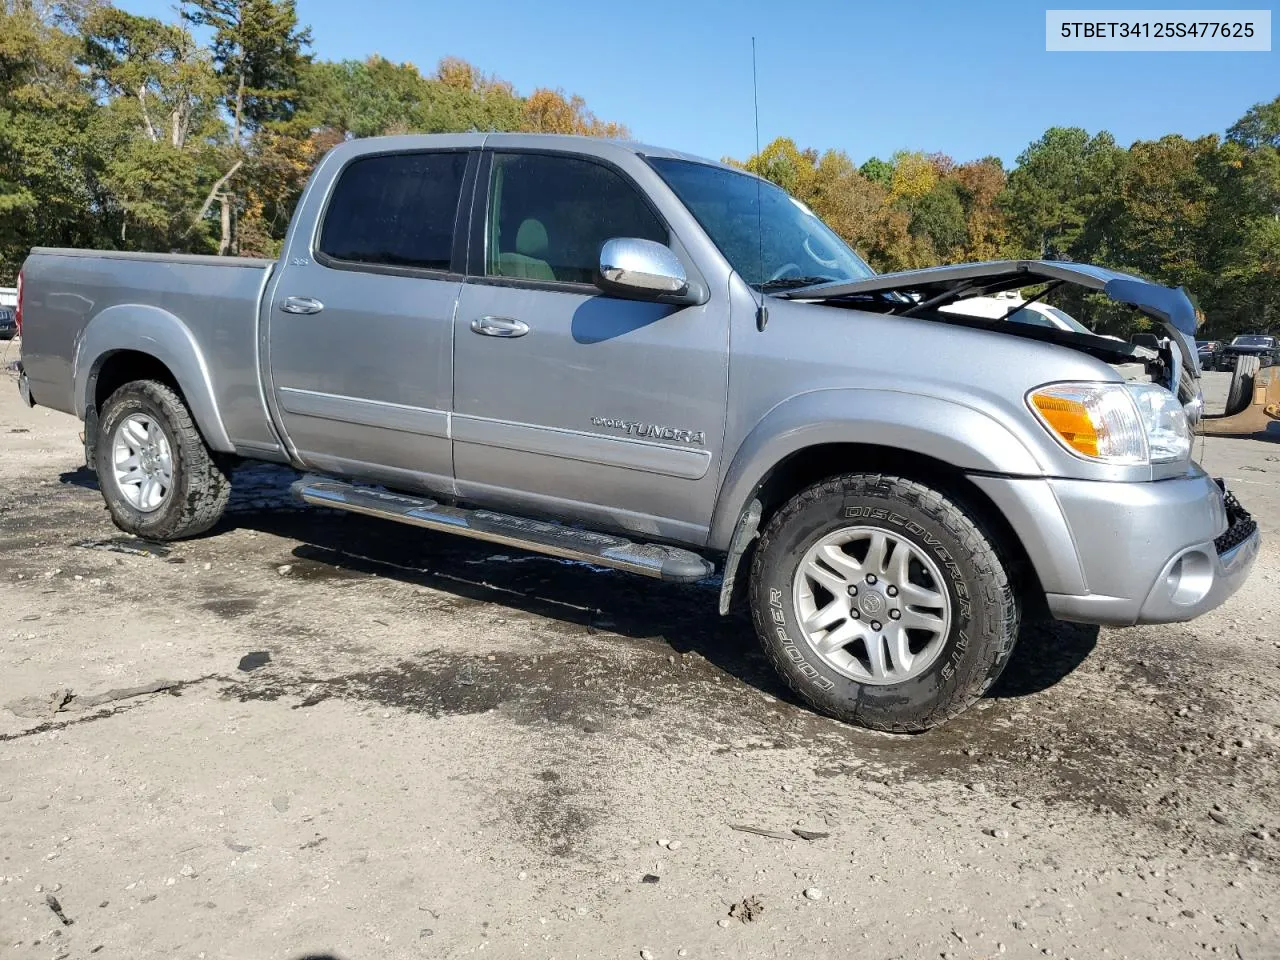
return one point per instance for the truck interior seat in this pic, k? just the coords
(526, 262)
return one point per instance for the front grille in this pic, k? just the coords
(1240, 524)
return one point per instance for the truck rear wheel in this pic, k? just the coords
(159, 479)
(881, 602)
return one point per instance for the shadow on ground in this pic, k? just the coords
(339, 545)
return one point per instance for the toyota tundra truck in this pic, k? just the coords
(646, 361)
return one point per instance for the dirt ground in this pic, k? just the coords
(370, 741)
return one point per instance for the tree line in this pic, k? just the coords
(198, 134)
(1203, 213)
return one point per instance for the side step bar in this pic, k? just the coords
(650, 560)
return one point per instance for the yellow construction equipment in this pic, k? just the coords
(1260, 407)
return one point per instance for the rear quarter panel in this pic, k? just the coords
(199, 314)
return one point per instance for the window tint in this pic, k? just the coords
(550, 215)
(397, 209)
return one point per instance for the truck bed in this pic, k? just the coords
(215, 301)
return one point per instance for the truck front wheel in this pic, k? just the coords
(881, 602)
(157, 476)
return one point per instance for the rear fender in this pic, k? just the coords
(163, 336)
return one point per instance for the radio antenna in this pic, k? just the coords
(762, 312)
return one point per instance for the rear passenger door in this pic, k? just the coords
(569, 401)
(361, 320)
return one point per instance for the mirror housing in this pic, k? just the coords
(641, 269)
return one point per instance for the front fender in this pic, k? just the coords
(158, 334)
(966, 438)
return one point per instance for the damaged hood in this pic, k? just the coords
(937, 286)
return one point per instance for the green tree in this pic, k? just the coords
(157, 125)
(51, 190)
(1242, 235)
(1061, 196)
(938, 218)
(258, 53)
(1259, 127)
(878, 171)
(1164, 203)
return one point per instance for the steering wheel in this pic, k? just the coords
(808, 248)
(785, 269)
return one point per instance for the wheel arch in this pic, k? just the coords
(932, 441)
(137, 342)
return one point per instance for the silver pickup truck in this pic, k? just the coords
(647, 361)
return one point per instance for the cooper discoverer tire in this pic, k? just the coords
(928, 618)
(158, 478)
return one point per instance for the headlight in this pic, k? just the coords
(1133, 423)
(1168, 430)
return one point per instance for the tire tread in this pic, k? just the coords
(984, 552)
(208, 485)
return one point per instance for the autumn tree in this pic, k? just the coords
(551, 111)
(858, 209)
(979, 185)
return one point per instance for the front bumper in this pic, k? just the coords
(1125, 553)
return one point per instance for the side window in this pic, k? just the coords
(550, 215)
(396, 210)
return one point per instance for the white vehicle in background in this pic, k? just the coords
(1014, 309)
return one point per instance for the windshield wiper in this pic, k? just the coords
(794, 283)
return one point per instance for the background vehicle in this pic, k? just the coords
(1015, 309)
(8, 323)
(629, 356)
(1266, 348)
(1210, 352)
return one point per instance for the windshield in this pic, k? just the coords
(785, 245)
(1068, 321)
(1248, 341)
(1043, 315)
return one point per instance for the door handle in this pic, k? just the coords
(499, 327)
(302, 305)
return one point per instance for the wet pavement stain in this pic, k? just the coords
(673, 669)
(231, 608)
(252, 661)
(131, 546)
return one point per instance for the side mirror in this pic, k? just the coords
(644, 269)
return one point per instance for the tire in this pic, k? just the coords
(1240, 394)
(970, 640)
(199, 486)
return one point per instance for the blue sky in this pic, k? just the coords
(969, 79)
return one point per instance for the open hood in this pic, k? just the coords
(935, 287)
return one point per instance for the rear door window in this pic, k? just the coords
(395, 210)
(549, 215)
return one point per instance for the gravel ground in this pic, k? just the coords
(318, 735)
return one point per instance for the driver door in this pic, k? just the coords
(568, 401)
